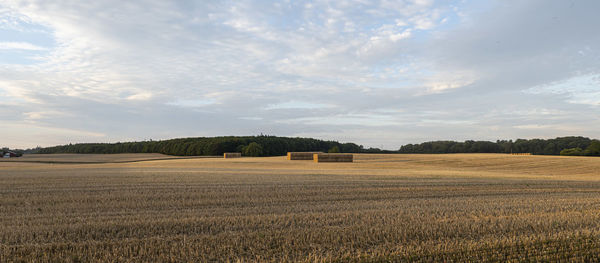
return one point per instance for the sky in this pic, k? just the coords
(377, 73)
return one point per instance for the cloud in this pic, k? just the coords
(375, 72)
(21, 46)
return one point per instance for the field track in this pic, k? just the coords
(380, 208)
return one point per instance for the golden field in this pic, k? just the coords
(155, 208)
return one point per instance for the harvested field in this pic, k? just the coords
(456, 207)
(96, 158)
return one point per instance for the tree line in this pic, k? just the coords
(265, 145)
(262, 145)
(574, 145)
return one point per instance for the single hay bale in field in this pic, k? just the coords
(333, 157)
(232, 155)
(301, 155)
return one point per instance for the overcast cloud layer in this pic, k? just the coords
(378, 73)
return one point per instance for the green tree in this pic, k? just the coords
(240, 148)
(253, 149)
(334, 149)
(572, 152)
(593, 149)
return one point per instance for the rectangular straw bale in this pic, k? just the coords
(232, 155)
(333, 157)
(300, 155)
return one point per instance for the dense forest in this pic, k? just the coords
(561, 145)
(248, 145)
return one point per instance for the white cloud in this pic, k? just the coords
(140, 96)
(583, 89)
(21, 46)
(297, 105)
(405, 34)
(33, 116)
